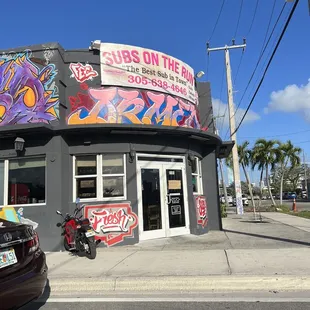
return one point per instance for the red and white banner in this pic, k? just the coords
(137, 67)
(202, 211)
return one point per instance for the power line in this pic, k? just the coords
(217, 20)
(239, 16)
(254, 15)
(270, 19)
(238, 68)
(262, 53)
(258, 61)
(266, 60)
(281, 135)
(269, 62)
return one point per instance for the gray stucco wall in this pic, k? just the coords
(59, 144)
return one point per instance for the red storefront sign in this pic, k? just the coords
(202, 211)
(112, 222)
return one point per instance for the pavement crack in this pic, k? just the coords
(114, 288)
(107, 273)
(228, 239)
(228, 264)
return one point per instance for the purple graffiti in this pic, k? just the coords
(26, 93)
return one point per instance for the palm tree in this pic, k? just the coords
(264, 155)
(288, 154)
(244, 154)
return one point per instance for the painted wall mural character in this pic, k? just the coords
(116, 105)
(27, 92)
(81, 72)
(10, 214)
(112, 222)
(202, 211)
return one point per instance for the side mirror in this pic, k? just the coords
(77, 200)
(58, 212)
(58, 224)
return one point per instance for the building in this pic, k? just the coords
(126, 129)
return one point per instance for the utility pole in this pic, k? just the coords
(305, 173)
(221, 164)
(232, 125)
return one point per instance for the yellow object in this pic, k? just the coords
(9, 214)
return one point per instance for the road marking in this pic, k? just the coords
(192, 299)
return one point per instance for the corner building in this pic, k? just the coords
(142, 160)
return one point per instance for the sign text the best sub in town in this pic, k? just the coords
(137, 67)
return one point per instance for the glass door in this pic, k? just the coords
(177, 209)
(162, 200)
(151, 202)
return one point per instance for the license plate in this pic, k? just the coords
(7, 258)
(89, 233)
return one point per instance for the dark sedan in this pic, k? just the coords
(23, 269)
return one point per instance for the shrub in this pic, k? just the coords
(223, 211)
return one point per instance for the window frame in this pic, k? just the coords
(6, 183)
(99, 179)
(198, 176)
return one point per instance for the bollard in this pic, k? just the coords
(294, 208)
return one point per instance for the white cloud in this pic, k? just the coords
(291, 99)
(219, 109)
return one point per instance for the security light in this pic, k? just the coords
(200, 74)
(95, 45)
(19, 144)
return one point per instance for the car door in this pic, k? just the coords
(15, 249)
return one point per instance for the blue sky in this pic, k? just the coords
(181, 29)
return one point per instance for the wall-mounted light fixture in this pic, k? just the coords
(19, 144)
(200, 74)
(95, 45)
(191, 159)
(132, 155)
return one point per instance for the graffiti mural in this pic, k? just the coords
(116, 105)
(112, 222)
(9, 214)
(202, 211)
(27, 92)
(81, 72)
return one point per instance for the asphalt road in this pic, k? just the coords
(151, 305)
(301, 204)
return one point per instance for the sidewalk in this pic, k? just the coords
(245, 256)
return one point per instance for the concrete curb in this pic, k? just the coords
(186, 284)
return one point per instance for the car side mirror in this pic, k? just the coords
(58, 224)
(58, 212)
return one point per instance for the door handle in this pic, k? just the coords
(168, 199)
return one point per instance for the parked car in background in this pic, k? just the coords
(23, 269)
(290, 195)
(245, 201)
(304, 195)
(229, 198)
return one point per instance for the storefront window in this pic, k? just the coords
(1, 183)
(113, 175)
(197, 177)
(86, 176)
(26, 181)
(99, 184)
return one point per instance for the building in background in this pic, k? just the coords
(126, 129)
